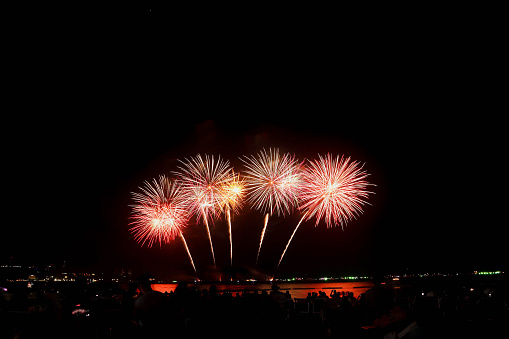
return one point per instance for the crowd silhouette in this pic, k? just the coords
(106, 311)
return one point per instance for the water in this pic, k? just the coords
(296, 289)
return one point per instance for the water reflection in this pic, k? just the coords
(296, 289)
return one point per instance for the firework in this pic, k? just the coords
(273, 182)
(233, 191)
(233, 195)
(160, 213)
(203, 179)
(332, 188)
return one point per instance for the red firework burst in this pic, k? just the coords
(160, 212)
(333, 188)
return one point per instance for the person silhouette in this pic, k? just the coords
(150, 308)
(378, 299)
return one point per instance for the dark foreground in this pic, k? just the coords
(449, 307)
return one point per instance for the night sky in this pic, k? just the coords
(102, 101)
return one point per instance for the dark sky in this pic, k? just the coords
(102, 101)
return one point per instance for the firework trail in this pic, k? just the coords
(202, 179)
(188, 253)
(160, 213)
(265, 222)
(233, 195)
(288, 244)
(334, 189)
(272, 182)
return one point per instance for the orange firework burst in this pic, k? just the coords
(233, 192)
(233, 195)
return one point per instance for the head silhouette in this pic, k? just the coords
(145, 282)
